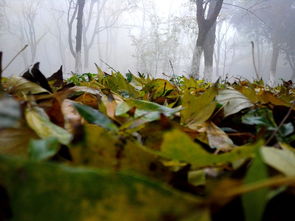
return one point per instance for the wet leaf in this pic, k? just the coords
(282, 160)
(43, 149)
(178, 146)
(39, 122)
(233, 101)
(95, 117)
(66, 193)
(254, 202)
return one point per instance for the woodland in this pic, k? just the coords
(201, 145)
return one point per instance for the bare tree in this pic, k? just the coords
(2, 14)
(207, 13)
(88, 42)
(28, 32)
(76, 11)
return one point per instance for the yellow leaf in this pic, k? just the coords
(197, 110)
(39, 122)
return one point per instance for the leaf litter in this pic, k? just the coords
(105, 147)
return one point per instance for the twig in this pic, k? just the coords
(108, 65)
(171, 65)
(249, 11)
(24, 48)
(276, 181)
(253, 58)
(281, 124)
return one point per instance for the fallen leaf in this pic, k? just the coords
(39, 122)
(233, 101)
(56, 192)
(43, 149)
(217, 138)
(10, 112)
(95, 117)
(197, 110)
(281, 159)
(15, 141)
(254, 202)
(178, 146)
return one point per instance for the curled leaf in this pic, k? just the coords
(233, 101)
(39, 122)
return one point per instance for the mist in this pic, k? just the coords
(249, 39)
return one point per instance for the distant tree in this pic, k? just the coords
(76, 11)
(26, 30)
(90, 22)
(207, 13)
(162, 44)
(268, 21)
(2, 14)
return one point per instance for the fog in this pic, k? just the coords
(249, 39)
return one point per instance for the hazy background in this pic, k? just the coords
(149, 36)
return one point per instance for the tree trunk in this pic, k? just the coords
(274, 61)
(78, 62)
(206, 36)
(208, 53)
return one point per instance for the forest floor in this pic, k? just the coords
(114, 147)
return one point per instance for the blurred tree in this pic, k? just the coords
(270, 21)
(163, 43)
(28, 33)
(207, 13)
(90, 22)
(2, 14)
(76, 11)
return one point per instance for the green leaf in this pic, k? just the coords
(95, 117)
(150, 111)
(261, 117)
(117, 83)
(46, 191)
(39, 122)
(10, 112)
(160, 88)
(254, 202)
(178, 146)
(197, 177)
(43, 149)
(197, 110)
(122, 109)
(233, 101)
(282, 160)
(102, 149)
(286, 129)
